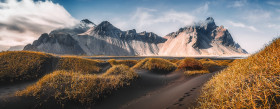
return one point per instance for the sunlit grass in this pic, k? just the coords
(64, 86)
(23, 65)
(27, 65)
(128, 63)
(190, 64)
(174, 60)
(196, 72)
(156, 65)
(208, 63)
(248, 83)
(79, 64)
(224, 62)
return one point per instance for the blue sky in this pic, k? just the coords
(252, 23)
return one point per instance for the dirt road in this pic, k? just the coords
(180, 94)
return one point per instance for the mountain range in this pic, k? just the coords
(203, 38)
(87, 38)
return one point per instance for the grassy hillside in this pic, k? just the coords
(23, 65)
(174, 60)
(79, 65)
(156, 65)
(128, 63)
(190, 64)
(196, 72)
(64, 86)
(214, 65)
(249, 83)
(27, 65)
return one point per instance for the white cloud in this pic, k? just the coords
(23, 21)
(160, 22)
(241, 25)
(238, 3)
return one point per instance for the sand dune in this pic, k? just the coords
(151, 90)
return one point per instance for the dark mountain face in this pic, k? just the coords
(86, 21)
(53, 44)
(107, 29)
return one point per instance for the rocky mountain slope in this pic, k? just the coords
(103, 39)
(86, 38)
(203, 38)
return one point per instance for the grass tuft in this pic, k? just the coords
(156, 65)
(174, 60)
(196, 72)
(64, 86)
(224, 62)
(23, 65)
(190, 64)
(123, 70)
(248, 83)
(79, 65)
(128, 63)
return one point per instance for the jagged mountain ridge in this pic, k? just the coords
(203, 38)
(87, 38)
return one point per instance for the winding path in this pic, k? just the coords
(181, 94)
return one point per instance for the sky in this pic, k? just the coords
(252, 23)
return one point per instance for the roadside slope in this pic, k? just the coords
(248, 83)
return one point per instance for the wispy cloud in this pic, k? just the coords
(241, 25)
(160, 22)
(274, 3)
(23, 21)
(273, 26)
(203, 9)
(238, 3)
(257, 15)
(277, 10)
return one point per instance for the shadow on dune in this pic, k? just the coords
(147, 82)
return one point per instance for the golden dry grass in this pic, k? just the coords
(64, 86)
(248, 83)
(224, 62)
(121, 70)
(26, 65)
(190, 64)
(174, 60)
(208, 63)
(156, 65)
(23, 65)
(196, 72)
(128, 63)
(79, 65)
